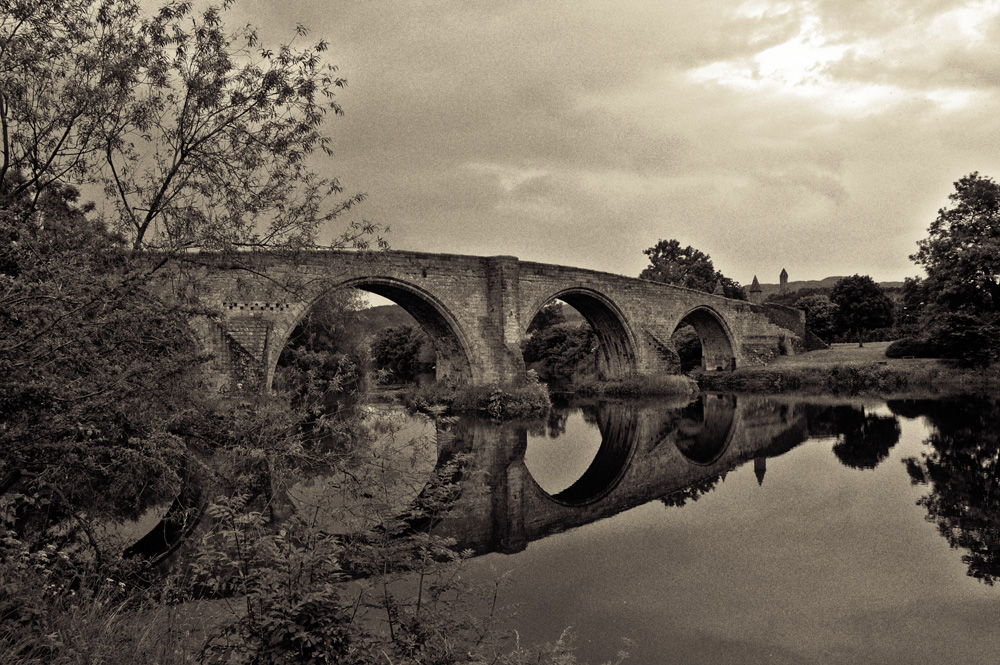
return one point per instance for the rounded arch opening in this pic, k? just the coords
(703, 342)
(448, 360)
(452, 364)
(575, 333)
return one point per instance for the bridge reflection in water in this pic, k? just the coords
(648, 451)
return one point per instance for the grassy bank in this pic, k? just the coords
(846, 368)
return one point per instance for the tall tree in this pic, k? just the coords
(961, 256)
(688, 267)
(201, 135)
(861, 305)
(961, 253)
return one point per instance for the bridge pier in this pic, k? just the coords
(503, 324)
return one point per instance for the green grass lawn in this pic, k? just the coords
(850, 354)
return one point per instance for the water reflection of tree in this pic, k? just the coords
(692, 492)
(962, 469)
(865, 438)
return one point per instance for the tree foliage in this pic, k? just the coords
(200, 135)
(821, 315)
(961, 253)
(561, 352)
(861, 305)
(959, 299)
(96, 375)
(688, 267)
(548, 316)
(403, 353)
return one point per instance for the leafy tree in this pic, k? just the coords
(962, 251)
(821, 315)
(548, 316)
(200, 135)
(861, 305)
(212, 149)
(103, 411)
(561, 352)
(961, 256)
(68, 67)
(98, 379)
(688, 267)
(403, 352)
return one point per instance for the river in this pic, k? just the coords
(742, 529)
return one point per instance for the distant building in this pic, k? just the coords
(755, 293)
(783, 280)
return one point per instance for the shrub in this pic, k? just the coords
(496, 401)
(911, 346)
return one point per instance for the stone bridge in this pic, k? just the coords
(476, 310)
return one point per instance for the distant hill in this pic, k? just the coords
(826, 283)
(385, 316)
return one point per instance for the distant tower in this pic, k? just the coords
(755, 293)
(783, 277)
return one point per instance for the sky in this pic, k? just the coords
(818, 136)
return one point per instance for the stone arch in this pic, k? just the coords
(717, 349)
(616, 357)
(454, 364)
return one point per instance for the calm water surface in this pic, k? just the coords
(745, 529)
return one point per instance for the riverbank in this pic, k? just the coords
(846, 368)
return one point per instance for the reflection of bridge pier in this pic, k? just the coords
(648, 452)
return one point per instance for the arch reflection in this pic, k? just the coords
(603, 468)
(704, 427)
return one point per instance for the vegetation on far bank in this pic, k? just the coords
(847, 368)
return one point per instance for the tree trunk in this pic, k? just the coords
(860, 343)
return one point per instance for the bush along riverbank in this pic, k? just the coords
(496, 401)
